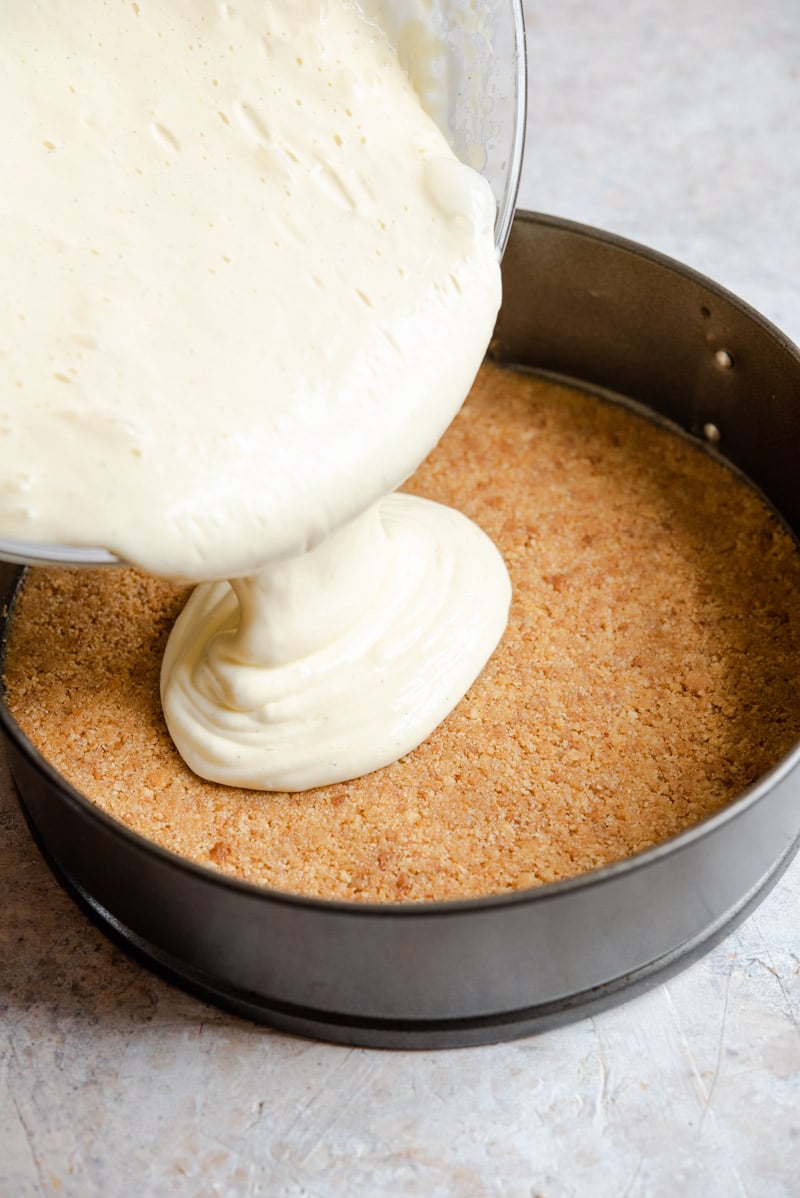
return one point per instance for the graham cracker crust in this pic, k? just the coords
(650, 672)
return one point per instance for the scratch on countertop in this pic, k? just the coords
(317, 1117)
(721, 1041)
(603, 1096)
(787, 1002)
(776, 973)
(28, 1137)
(27, 1130)
(626, 1193)
(684, 1041)
(740, 1183)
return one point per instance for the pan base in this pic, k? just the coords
(338, 1027)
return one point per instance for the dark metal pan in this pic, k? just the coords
(596, 310)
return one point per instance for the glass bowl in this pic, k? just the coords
(468, 62)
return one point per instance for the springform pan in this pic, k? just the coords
(594, 310)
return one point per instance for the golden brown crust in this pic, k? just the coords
(649, 673)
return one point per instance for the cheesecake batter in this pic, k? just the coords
(246, 287)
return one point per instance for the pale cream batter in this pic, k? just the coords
(246, 287)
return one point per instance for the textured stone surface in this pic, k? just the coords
(678, 125)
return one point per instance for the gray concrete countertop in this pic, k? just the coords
(676, 124)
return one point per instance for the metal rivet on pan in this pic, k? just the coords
(723, 359)
(711, 433)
